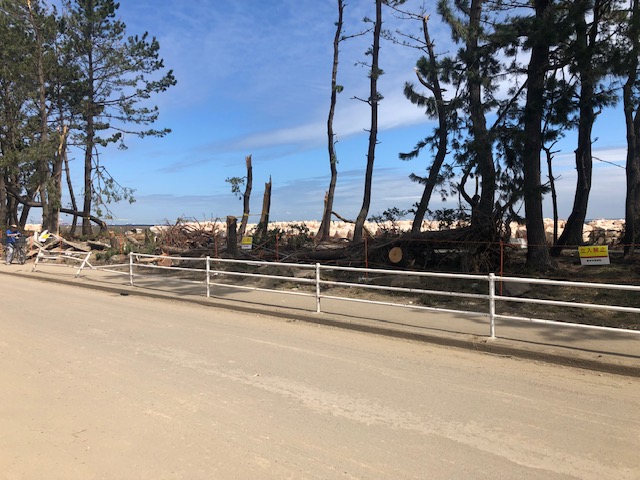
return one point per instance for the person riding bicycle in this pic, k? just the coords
(12, 234)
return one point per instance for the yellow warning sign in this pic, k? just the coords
(594, 255)
(246, 243)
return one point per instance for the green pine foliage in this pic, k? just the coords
(71, 76)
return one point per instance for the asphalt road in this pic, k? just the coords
(96, 385)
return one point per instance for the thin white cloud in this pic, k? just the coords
(352, 118)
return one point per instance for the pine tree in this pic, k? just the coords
(474, 69)
(25, 32)
(373, 101)
(118, 74)
(428, 71)
(539, 40)
(325, 224)
(627, 66)
(588, 55)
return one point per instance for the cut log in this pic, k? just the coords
(95, 245)
(52, 244)
(115, 241)
(174, 250)
(83, 247)
(131, 239)
(395, 255)
(146, 260)
(165, 262)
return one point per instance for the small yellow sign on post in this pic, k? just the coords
(246, 243)
(594, 255)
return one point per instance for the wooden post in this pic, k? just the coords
(366, 255)
(501, 264)
(232, 235)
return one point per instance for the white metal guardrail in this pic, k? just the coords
(213, 273)
(54, 255)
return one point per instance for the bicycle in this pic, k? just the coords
(19, 252)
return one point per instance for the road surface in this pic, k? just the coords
(96, 385)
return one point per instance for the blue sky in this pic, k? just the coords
(254, 78)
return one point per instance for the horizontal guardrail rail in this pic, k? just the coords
(209, 271)
(213, 267)
(366, 286)
(559, 303)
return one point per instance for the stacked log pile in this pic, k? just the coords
(56, 245)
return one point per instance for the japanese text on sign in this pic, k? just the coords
(594, 255)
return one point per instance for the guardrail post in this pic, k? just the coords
(35, 263)
(208, 276)
(492, 306)
(84, 262)
(131, 269)
(317, 288)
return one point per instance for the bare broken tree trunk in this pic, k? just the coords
(55, 193)
(72, 196)
(266, 206)
(246, 197)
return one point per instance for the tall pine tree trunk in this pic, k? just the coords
(325, 225)
(432, 84)
(42, 164)
(572, 233)
(537, 252)
(88, 184)
(89, 146)
(374, 99)
(632, 120)
(483, 213)
(632, 201)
